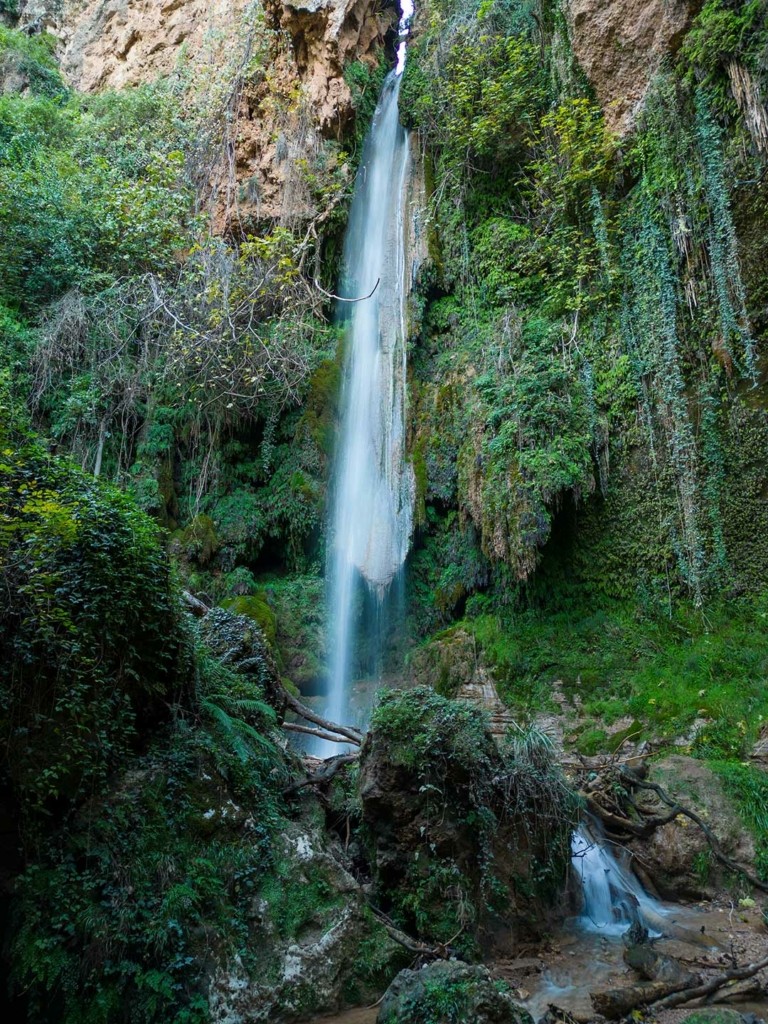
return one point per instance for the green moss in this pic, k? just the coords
(256, 607)
(198, 540)
(620, 659)
(592, 741)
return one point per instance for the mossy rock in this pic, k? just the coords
(714, 1016)
(592, 741)
(198, 540)
(256, 607)
(449, 992)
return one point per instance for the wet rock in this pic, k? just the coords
(677, 856)
(654, 966)
(469, 991)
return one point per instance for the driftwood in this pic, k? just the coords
(324, 773)
(615, 1003)
(194, 604)
(707, 988)
(670, 984)
(439, 952)
(350, 734)
(309, 730)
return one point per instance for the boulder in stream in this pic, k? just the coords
(450, 992)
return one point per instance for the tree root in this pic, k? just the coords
(648, 824)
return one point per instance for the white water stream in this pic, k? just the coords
(371, 514)
(612, 896)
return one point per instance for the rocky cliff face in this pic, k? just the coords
(620, 45)
(269, 75)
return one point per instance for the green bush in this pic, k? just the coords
(90, 635)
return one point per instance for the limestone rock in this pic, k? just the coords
(416, 996)
(620, 45)
(672, 855)
(270, 76)
(312, 966)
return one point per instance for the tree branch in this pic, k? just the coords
(353, 735)
(340, 298)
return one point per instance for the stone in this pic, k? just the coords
(449, 992)
(674, 854)
(315, 965)
(620, 45)
(454, 854)
(280, 80)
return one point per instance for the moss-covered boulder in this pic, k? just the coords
(715, 1015)
(469, 843)
(239, 642)
(449, 992)
(256, 607)
(447, 662)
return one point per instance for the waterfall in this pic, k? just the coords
(613, 898)
(373, 488)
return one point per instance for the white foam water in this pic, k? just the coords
(612, 896)
(373, 493)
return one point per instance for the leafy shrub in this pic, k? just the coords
(91, 641)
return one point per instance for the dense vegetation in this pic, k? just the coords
(589, 439)
(154, 374)
(589, 418)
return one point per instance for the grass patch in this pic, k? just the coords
(663, 671)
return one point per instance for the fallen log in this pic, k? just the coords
(707, 988)
(349, 733)
(194, 604)
(440, 952)
(322, 734)
(324, 774)
(615, 1003)
(619, 1002)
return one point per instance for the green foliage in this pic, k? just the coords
(747, 785)
(365, 84)
(91, 642)
(664, 671)
(83, 201)
(151, 881)
(27, 61)
(724, 32)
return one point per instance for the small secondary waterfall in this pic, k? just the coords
(371, 516)
(613, 897)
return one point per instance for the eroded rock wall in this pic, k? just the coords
(269, 76)
(620, 45)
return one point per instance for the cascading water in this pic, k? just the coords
(371, 516)
(613, 897)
